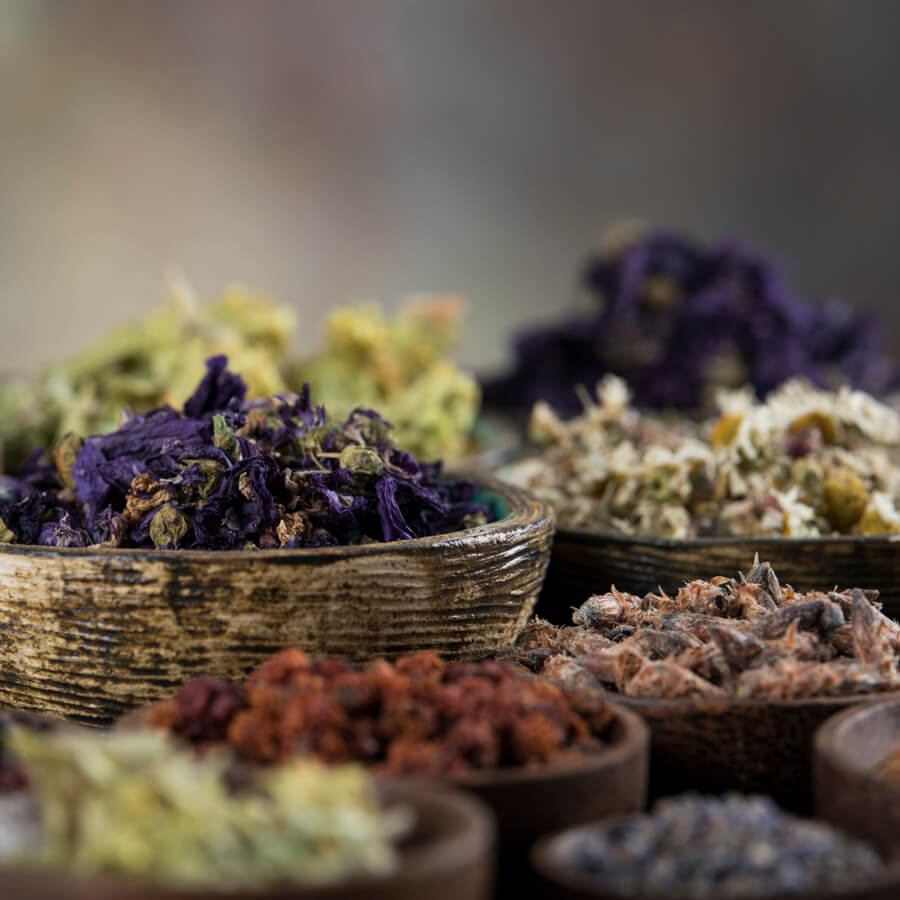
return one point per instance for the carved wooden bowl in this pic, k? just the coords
(449, 856)
(748, 745)
(550, 857)
(89, 633)
(848, 793)
(588, 562)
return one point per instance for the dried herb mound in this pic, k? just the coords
(678, 319)
(804, 462)
(731, 846)
(227, 474)
(728, 637)
(420, 715)
(133, 804)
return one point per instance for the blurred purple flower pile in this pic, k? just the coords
(227, 474)
(677, 319)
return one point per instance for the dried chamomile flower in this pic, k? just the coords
(805, 462)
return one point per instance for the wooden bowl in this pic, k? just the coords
(90, 633)
(449, 856)
(559, 882)
(752, 745)
(848, 793)
(588, 562)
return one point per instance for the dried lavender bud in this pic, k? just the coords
(731, 846)
(723, 637)
(67, 451)
(168, 527)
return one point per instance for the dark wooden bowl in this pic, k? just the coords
(89, 633)
(529, 803)
(449, 856)
(588, 562)
(559, 882)
(848, 793)
(717, 745)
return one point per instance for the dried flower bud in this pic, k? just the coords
(361, 459)
(293, 526)
(845, 498)
(224, 438)
(169, 526)
(7, 535)
(67, 451)
(211, 471)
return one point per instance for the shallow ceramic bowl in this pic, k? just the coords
(848, 793)
(558, 882)
(89, 633)
(449, 856)
(753, 746)
(588, 562)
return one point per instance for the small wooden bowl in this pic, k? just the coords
(752, 746)
(449, 856)
(588, 562)
(558, 882)
(89, 633)
(848, 793)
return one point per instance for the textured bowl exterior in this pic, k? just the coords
(847, 792)
(88, 634)
(752, 746)
(585, 563)
(449, 857)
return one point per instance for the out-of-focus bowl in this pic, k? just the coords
(448, 856)
(90, 633)
(587, 562)
(550, 856)
(848, 791)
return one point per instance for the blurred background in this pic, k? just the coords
(342, 150)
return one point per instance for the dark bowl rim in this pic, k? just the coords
(596, 536)
(542, 856)
(722, 705)
(829, 740)
(444, 855)
(632, 742)
(524, 509)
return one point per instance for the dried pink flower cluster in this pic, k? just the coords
(743, 637)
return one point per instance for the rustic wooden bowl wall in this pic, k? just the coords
(558, 882)
(753, 746)
(450, 856)
(586, 562)
(847, 792)
(88, 633)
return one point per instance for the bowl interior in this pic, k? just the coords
(863, 737)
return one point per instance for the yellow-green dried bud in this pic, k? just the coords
(67, 451)
(224, 438)
(725, 430)
(660, 483)
(6, 534)
(844, 497)
(169, 526)
(361, 459)
(211, 471)
(872, 522)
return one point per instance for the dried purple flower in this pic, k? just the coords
(226, 474)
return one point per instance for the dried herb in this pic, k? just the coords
(231, 474)
(399, 365)
(731, 846)
(678, 319)
(805, 462)
(133, 804)
(418, 716)
(728, 637)
(140, 366)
